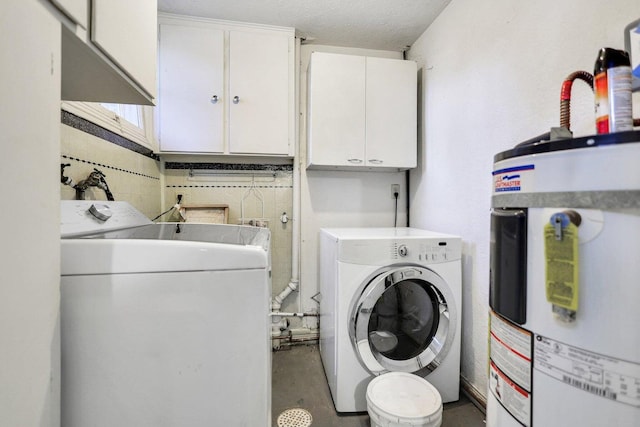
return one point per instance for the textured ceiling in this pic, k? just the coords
(372, 24)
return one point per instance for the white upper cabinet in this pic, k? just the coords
(126, 31)
(191, 65)
(109, 50)
(362, 113)
(225, 88)
(337, 105)
(259, 114)
(391, 106)
(76, 10)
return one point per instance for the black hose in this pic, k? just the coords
(395, 217)
(165, 212)
(105, 187)
(407, 176)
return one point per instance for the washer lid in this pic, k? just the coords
(112, 256)
(404, 396)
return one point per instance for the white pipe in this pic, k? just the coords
(276, 302)
(285, 314)
(278, 323)
(278, 299)
(295, 233)
(278, 326)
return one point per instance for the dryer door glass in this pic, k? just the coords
(403, 321)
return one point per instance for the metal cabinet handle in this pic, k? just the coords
(236, 99)
(354, 160)
(214, 99)
(376, 161)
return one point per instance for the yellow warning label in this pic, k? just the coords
(561, 258)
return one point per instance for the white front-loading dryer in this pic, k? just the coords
(390, 302)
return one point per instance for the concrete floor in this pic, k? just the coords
(299, 382)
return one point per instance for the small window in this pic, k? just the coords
(130, 113)
(134, 122)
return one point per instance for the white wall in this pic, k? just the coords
(29, 175)
(491, 74)
(338, 199)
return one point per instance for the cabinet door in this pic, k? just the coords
(259, 104)
(391, 113)
(126, 31)
(336, 127)
(191, 89)
(76, 10)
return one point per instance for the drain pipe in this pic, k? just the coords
(293, 314)
(277, 301)
(279, 322)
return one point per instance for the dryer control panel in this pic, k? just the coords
(427, 252)
(379, 252)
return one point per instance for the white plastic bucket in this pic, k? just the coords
(399, 399)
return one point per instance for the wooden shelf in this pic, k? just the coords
(205, 212)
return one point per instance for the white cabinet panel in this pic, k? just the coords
(362, 113)
(337, 105)
(125, 31)
(29, 292)
(113, 56)
(76, 10)
(391, 113)
(259, 78)
(191, 65)
(250, 70)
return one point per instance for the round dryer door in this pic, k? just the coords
(404, 320)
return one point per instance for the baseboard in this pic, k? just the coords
(477, 398)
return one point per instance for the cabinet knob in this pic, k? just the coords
(236, 99)
(214, 99)
(354, 160)
(376, 161)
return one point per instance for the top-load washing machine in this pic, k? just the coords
(390, 302)
(162, 324)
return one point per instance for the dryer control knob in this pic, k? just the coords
(403, 251)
